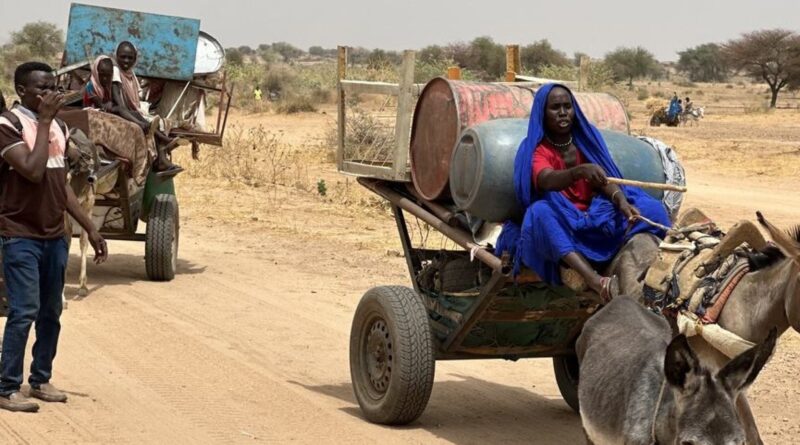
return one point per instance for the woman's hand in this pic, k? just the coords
(592, 173)
(630, 212)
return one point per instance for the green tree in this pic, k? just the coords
(631, 63)
(703, 63)
(316, 51)
(234, 57)
(487, 56)
(768, 55)
(287, 50)
(537, 55)
(45, 40)
(431, 53)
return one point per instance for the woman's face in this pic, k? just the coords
(558, 112)
(126, 57)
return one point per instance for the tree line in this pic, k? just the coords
(770, 56)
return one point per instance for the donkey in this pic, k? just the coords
(637, 387)
(85, 164)
(766, 297)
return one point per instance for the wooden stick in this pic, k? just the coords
(647, 185)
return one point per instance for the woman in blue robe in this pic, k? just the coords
(573, 214)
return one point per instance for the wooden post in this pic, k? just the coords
(583, 73)
(513, 63)
(341, 75)
(454, 73)
(405, 105)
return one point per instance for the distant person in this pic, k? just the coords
(33, 198)
(97, 92)
(672, 111)
(680, 107)
(126, 92)
(257, 94)
(688, 105)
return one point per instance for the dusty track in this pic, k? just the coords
(249, 343)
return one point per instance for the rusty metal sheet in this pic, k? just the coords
(167, 45)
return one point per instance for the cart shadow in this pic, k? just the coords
(472, 410)
(119, 269)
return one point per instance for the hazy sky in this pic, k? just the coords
(591, 26)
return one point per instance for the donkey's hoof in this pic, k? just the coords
(82, 292)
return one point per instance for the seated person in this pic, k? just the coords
(125, 94)
(574, 215)
(97, 92)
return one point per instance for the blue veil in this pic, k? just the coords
(598, 233)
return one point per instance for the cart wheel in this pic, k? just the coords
(392, 359)
(161, 240)
(566, 369)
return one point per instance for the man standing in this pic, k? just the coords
(33, 197)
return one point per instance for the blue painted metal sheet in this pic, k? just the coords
(167, 45)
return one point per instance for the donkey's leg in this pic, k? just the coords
(83, 290)
(87, 206)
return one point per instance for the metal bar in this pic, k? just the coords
(405, 107)
(527, 316)
(437, 209)
(73, 67)
(123, 237)
(475, 311)
(510, 353)
(227, 109)
(459, 236)
(175, 105)
(221, 96)
(411, 260)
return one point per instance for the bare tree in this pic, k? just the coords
(769, 55)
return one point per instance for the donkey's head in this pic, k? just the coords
(704, 402)
(789, 245)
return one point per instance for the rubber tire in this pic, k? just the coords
(411, 379)
(458, 275)
(566, 369)
(161, 239)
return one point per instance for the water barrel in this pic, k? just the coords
(447, 107)
(482, 167)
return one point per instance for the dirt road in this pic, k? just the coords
(249, 343)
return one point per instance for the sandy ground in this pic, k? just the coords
(249, 343)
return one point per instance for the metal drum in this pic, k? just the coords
(447, 107)
(482, 168)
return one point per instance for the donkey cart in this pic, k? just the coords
(457, 309)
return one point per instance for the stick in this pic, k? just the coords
(647, 185)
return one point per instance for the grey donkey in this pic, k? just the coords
(638, 385)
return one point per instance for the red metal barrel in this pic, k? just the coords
(447, 107)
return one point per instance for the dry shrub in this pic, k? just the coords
(367, 139)
(252, 156)
(642, 93)
(296, 104)
(653, 104)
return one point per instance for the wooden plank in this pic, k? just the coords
(365, 87)
(513, 63)
(341, 74)
(405, 107)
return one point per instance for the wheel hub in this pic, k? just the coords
(379, 356)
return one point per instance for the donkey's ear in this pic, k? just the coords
(784, 241)
(679, 361)
(743, 370)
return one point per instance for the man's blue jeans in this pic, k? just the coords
(34, 275)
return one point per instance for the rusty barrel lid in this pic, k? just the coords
(448, 107)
